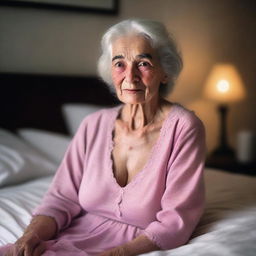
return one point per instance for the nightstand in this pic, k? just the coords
(230, 164)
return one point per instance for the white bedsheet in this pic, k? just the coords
(16, 206)
(228, 226)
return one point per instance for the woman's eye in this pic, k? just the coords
(118, 64)
(144, 64)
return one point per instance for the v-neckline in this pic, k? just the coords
(116, 112)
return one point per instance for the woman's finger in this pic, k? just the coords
(31, 244)
(39, 250)
(18, 250)
(28, 250)
(12, 251)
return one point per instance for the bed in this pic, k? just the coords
(32, 146)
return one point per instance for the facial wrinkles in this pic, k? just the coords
(129, 49)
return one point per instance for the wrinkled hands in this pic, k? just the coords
(32, 243)
(28, 245)
(117, 251)
(138, 245)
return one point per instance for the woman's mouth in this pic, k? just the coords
(132, 91)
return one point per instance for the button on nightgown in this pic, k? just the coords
(164, 201)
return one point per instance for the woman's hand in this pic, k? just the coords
(32, 243)
(138, 245)
(118, 251)
(28, 245)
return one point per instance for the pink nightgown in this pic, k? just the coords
(164, 201)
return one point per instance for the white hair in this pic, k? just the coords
(160, 39)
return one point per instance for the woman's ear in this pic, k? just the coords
(165, 79)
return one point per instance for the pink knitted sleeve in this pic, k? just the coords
(183, 200)
(61, 200)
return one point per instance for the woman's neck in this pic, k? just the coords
(138, 116)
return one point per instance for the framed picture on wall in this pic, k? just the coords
(96, 6)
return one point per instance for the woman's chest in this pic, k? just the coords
(130, 154)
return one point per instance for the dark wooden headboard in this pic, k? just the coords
(33, 100)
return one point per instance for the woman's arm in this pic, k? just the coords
(59, 205)
(183, 201)
(61, 200)
(40, 229)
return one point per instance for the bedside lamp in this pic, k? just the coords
(224, 85)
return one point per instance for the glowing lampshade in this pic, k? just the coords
(224, 84)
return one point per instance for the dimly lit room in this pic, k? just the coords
(55, 85)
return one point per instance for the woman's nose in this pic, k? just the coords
(131, 74)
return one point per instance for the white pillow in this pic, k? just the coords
(53, 145)
(75, 113)
(20, 162)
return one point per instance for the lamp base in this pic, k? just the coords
(223, 151)
(221, 157)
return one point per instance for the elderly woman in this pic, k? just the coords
(131, 181)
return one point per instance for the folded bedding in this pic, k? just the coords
(20, 162)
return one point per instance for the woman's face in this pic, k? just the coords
(136, 70)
